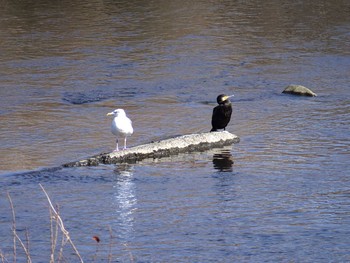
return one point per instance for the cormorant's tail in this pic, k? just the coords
(213, 130)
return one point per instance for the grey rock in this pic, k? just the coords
(299, 90)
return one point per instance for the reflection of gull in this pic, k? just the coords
(125, 202)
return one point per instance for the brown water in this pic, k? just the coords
(281, 194)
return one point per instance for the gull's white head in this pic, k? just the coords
(117, 113)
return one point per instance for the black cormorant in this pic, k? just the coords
(221, 113)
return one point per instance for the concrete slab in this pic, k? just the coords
(172, 146)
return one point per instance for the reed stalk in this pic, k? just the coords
(61, 225)
(59, 238)
(15, 235)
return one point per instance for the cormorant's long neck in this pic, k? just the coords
(226, 103)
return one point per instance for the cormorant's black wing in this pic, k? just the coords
(221, 116)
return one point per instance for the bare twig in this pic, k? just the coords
(24, 248)
(110, 245)
(15, 236)
(97, 239)
(13, 227)
(130, 254)
(60, 254)
(61, 225)
(27, 244)
(2, 257)
(53, 245)
(53, 234)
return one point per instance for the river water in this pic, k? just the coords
(281, 195)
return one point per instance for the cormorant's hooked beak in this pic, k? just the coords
(227, 97)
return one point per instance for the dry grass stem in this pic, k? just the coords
(61, 225)
(27, 243)
(2, 257)
(13, 227)
(110, 245)
(97, 250)
(130, 254)
(53, 235)
(26, 251)
(59, 239)
(60, 253)
(15, 235)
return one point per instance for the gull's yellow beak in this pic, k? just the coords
(109, 114)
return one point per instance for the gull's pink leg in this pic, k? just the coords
(124, 143)
(117, 148)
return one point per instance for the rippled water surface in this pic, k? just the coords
(281, 195)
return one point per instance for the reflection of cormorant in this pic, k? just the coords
(221, 113)
(223, 161)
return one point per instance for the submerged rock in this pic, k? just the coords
(299, 90)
